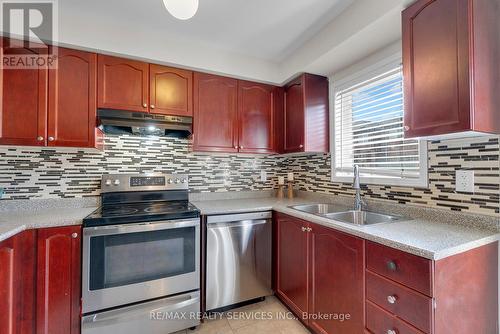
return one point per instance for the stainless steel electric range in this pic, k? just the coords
(141, 257)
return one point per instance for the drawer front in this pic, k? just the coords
(409, 305)
(410, 270)
(379, 321)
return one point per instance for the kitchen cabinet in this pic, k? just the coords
(215, 113)
(306, 115)
(58, 280)
(320, 271)
(336, 280)
(255, 117)
(171, 91)
(123, 84)
(72, 100)
(233, 115)
(450, 63)
(17, 283)
(23, 116)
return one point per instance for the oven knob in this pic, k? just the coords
(117, 182)
(177, 180)
(170, 181)
(108, 182)
(183, 180)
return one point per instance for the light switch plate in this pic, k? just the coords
(464, 181)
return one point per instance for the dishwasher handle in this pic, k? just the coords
(239, 217)
(241, 223)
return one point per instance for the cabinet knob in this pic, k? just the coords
(309, 229)
(301, 146)
(392, 299)
(392, 266)
(235, 147)
(392, 331)
(152, 106)
(145, 105)
(39, 138)
(74, 235)
(241, 147)
(406, 127)
(51, 138)
(304, 229)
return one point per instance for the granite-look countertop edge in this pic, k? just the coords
(12, 223)
(421, 237)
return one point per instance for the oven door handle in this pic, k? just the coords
(174, 303)
(139, 227)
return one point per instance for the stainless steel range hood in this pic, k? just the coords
(143, 124)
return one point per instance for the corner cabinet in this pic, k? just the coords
(306, 125)
(450, 63)
(320, 271)
(233, 115)
(58, 280)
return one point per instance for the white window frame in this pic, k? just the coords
(350, 80)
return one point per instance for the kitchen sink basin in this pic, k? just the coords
(362, 217)
(317, 209)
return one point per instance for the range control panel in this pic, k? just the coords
(143, 182)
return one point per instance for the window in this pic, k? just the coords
(368, 132)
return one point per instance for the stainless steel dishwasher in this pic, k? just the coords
(239, 256)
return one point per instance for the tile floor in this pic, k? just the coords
(248, 320)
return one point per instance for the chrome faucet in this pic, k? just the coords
(358, 202)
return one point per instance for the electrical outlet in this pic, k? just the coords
(464, 181)
(263, 176)
(1, 192)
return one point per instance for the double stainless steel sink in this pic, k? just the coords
(350, 216)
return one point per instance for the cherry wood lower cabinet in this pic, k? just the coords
(59, 280)
(17, 284)
(320, 273)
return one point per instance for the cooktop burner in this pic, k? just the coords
(122, 213)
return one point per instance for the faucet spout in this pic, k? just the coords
(358, 202)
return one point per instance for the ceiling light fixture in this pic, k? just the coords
(181, 9)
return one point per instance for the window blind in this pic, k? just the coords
(368, 120)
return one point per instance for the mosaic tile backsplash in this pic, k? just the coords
(27, 172)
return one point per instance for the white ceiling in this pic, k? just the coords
(263, 40)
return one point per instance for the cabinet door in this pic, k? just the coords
(336, 280)
(294, 117)
(72, 99)
(123, 84)
(435, 61)
(256, 117)
(23, 113)
(215, 113)
(171, 91)
(59, 280)
(292, 263)
(17, 284)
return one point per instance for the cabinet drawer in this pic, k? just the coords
(410, 270)
(379, 321)
(407, 304)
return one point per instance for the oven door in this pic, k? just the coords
(124, 264)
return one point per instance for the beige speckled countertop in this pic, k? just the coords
(430, 239)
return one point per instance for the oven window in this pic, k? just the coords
(122, 259)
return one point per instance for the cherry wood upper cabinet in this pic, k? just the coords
(59, 280)
(23, 113)
(122, 84)
(292, 263)
(255, 117)
(336, 280)
(215, 113)
(450, 63)
(306, 114)
(17, 284)
(72, 99)
(171, 91)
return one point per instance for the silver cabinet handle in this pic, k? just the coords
(392, 266)
(309, 229)
(51, 138)
(301, 146)
(74, 235)
(39, 138)
(391, 331)
(392, 299)
(145, 105)
(152, 106)
(406, 128)
(304, 229)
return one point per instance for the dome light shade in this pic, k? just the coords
(181, 9)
